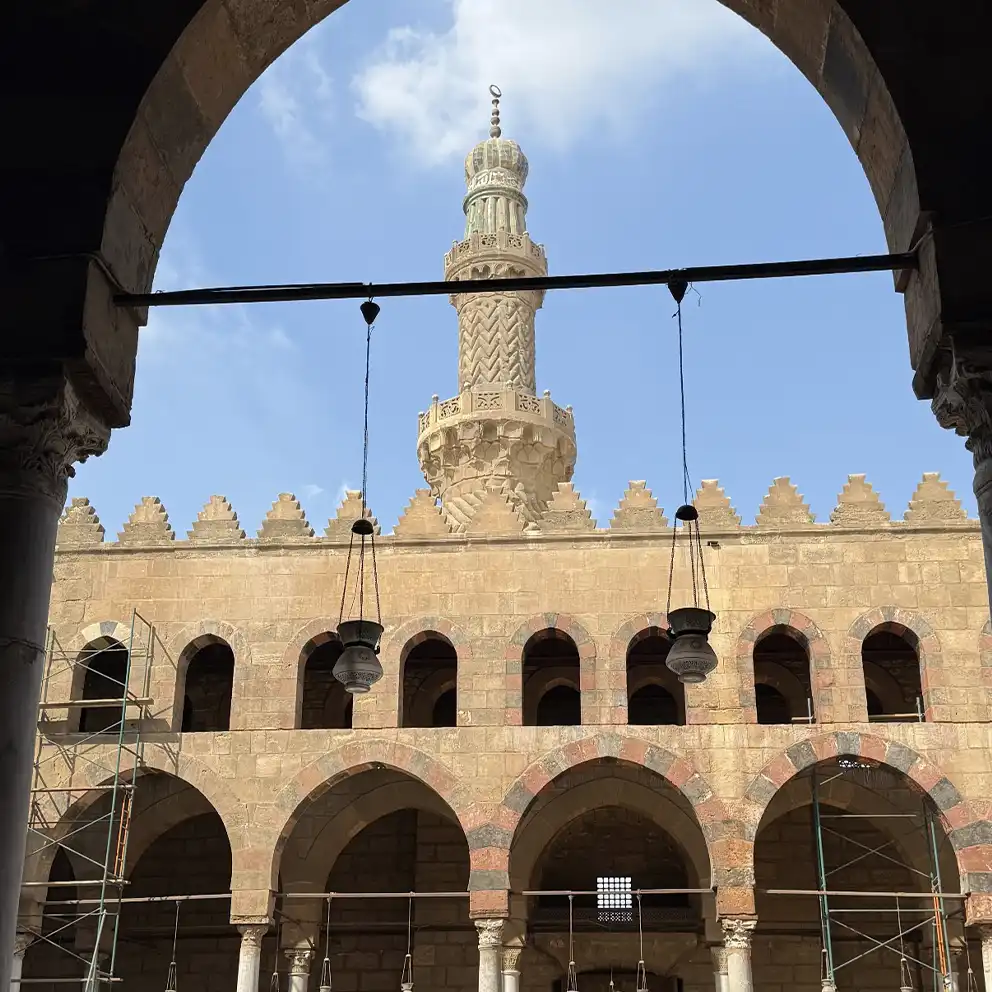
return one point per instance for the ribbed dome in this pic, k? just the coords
(496, 153)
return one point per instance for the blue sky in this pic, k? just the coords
(660, 133)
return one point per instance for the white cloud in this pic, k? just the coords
(295, 98)
(565, 66)
(311, 490)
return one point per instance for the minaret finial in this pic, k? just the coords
(496, 92)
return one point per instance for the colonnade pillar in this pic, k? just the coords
(299, 968)
(250, 956)
(719, 955)
(737, 934)
(21, 943)
(490, 954)
(43, 430)
(511, 968)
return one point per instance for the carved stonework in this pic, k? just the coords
(422, 518)
(216, 523)
(490, 932)
(638, 510)
(567, 512)
(79, 526)
(525, 447)
(962, 400)
(299, 960)
(253, 934)
(339, 528)
(933, 502)
(22, 941)
(148, 525)
(715, 511)
(783, 506)
(737, 933)
(44, 429)
(496, 340)
(511, 957)
(286, 521)
(858, 505)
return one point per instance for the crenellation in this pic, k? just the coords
(638, 511)
(286, 521)
(933, 502)
(783, 507)
(351, 509)
(148, 525)
(216, 523)
(79, 525)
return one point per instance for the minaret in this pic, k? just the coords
(497, 433)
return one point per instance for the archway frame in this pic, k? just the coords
(805, 632)
(514, 659)
(967, 829)
(183, 647)
(928, 650)
(423, 635)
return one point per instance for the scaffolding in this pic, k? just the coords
(917, 914)
(98, 740)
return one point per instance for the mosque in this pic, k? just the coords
(529, 798)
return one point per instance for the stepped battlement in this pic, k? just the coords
(859, 509)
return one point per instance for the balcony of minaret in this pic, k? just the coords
(467, 259)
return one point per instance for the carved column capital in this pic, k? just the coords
(22, 941)
(253, 933)
(737, 933)
(44, 429)
(299, 960)
(490, 932)
(962, 399)
(511, 957)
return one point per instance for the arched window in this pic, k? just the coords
(782, 686)
(325, 703)
(551, 694)
(430, 682)
(208, 687)
(891, 663)
(101, 674)
(655, 697)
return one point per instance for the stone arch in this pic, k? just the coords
(514, 658)
(258, 863)
(310, 636)
(969, 833)
(492, 828)
(113, 629)
(398, 641)
(900, 620)
(68, 683)
(613, 669)
(803, 630)
(145, 186)
(202, 781)
(184, 645)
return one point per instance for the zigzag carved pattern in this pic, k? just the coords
(497, 343)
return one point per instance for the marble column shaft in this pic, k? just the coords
(737, 944)
(44, 429)
(490, 954)
(250, 956)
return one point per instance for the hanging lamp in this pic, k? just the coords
(170, 981)
(572, 980)
(325, 968)
(641, 981)
(406, 976)
(358, 667)
(691, 657)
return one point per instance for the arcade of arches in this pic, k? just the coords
(109, 108)
(602, 828)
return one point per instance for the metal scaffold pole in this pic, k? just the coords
(89, 742)
(827, 971)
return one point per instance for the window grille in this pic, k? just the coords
(614, 900)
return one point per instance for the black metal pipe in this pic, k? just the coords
(660, 277)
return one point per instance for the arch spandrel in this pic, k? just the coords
(273, 822)
(969, 833)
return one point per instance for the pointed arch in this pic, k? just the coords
(969, 833)
(805, 632)
(514, 659)
(924, 641)
(187, 642)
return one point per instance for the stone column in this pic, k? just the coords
(985, 932)
(719, 955)
(737, 943)
(250, 957)
(962, 402)
(490, 953)
(511, 968)
(299, 968)
(43, 430)
(21, 943)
